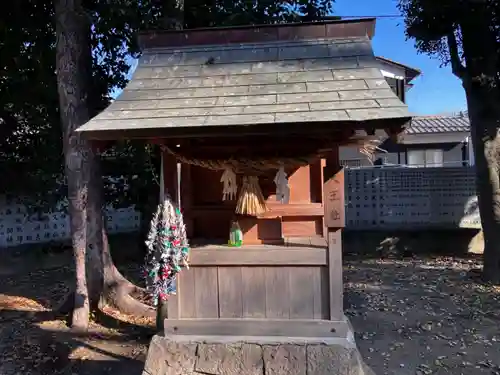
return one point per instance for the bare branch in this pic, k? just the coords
(456, 63)
(369, 148)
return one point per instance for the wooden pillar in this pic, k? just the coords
(187, 199)
(334, 221)
(170, 174)
(168, 309)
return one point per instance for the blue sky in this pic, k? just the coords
(437, 90)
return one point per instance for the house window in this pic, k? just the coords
(397, 86)
(425, 158)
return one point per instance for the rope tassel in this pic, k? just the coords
(251, 201)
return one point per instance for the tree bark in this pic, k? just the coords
(484, 116)
(482, 88)
(97, 278)
(95, 230)
(118, 290)
(70, 64)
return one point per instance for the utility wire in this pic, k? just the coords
(379, 16)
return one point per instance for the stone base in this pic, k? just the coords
(252, 356)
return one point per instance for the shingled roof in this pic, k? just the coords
(296, 74)
(438, 124)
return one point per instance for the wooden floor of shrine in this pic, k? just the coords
(294, 251)
(245, 290)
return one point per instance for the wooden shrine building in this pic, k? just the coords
(257, 98)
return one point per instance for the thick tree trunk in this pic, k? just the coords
(70, 28)
(111, 286)
(95, 271)
(482, 87)
(484, 114)
(95, 230)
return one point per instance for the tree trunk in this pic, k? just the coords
(96, 276)
(484, 115)
(95, 229)
(70, 64)
(112, 286)
(482, 88)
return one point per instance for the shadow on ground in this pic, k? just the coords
(383, 243)
(38, 343)
(35, 341)
(44, 273)
(414, 313)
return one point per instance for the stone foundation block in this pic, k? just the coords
(285, 359)
(169, 357)
(229, 359)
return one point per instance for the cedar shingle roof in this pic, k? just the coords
(438, 124)
(321, 79)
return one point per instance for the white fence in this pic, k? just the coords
(17, 228)
(409, 198)
(376, 198)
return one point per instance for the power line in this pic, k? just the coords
(379, 16)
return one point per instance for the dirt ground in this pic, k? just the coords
(416, 315)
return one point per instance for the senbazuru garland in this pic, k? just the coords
(168, 251)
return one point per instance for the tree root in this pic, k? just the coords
(118, 294)
(116, 291)
(118, 278)
(80, 314)
(69, 308)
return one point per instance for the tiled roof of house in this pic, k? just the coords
(438, 124)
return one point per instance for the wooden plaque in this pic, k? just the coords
(333, 201)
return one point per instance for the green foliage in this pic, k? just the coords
(428, 24)
(133, 172)
(202, 13)
(29, 102)
(473, 25)
(31, 157)
(114, 25)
